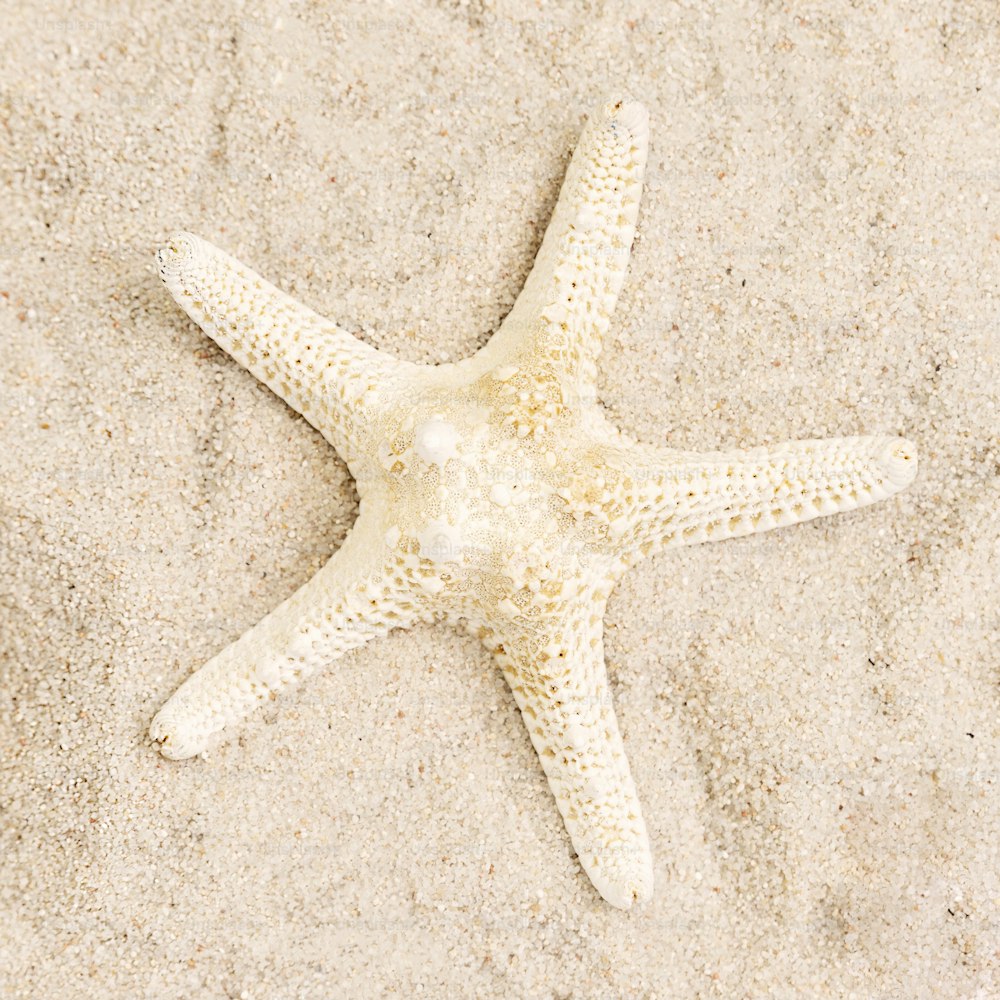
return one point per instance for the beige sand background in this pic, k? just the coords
(811, 715)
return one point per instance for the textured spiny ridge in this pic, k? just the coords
(573, 288)
(561, 688)
(321, 371)
(681, 499)
(328, 616)
(495, 495)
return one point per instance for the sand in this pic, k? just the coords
(811, 714)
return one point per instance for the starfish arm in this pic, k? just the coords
(355, 597)
(330, 377)
(564, 309)
(681, 498)
(560, 684)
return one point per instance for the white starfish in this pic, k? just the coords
(495, 494)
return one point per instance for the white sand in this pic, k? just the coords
(811, 714)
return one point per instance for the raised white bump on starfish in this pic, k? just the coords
(495, 494)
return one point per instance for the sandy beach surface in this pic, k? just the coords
(811, 715)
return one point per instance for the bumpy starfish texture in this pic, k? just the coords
(494, 494)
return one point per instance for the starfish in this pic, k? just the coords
(495, 495)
